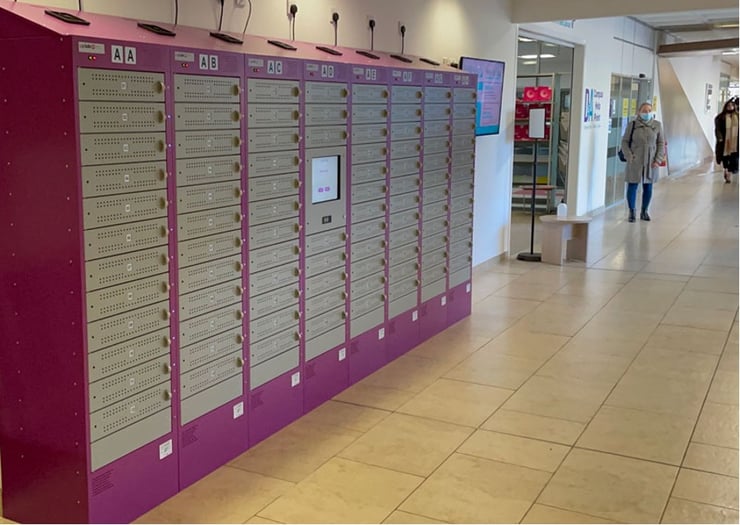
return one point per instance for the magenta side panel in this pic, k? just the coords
(325, 376)
(367, 353)
(459, 303)
(433, 317)
(403, 334)
(273, 406)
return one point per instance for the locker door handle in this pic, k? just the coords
(162, 175)
(167, 395)
(159, 87)
(236, 90)
(167, 368)
(236, 116)
(166, 342)
(165, 287)
(239, 339)
(240, 362)
(239, 267)
(163, 203)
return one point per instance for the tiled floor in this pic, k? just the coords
(574, 394)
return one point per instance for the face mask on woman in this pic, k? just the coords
(730, 109)
(646, 116)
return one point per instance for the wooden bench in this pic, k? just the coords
(564, 239)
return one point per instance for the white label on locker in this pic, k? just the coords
(342, 354)
(439, 78)
(131, 55)
(295, 379)
(182, 56)
(443, 302)
(371, 74)
(116, 54)
(407, 76)
(396, 74)
(203, 62)
(89, 47)
(312, 67)
(381, 334)
(357, 71)
(256, 62)
(274, 67)
(327, 71)
(165, 449)
(414, 316)
(467, 288)
(213, 62)
(239, 410)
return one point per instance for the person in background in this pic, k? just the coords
(644, 148)
(726, 131)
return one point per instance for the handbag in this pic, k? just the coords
(620, 153)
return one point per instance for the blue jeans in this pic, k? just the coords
(647, 194)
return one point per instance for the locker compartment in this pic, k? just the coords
(461, 204)
(204, 301)
(124, 356)
(321, 242)
(111, 419)
(274, 323)
(209, 274)
(214, 396)
(431, 258)
(434, 242)
(324, 282)
(436, 161)
(273, 233)
(404, 202)
(124, 268)
(463, 95)
(210, 222)
(368, 248)
(435, 178)
(362, 305)
(272, 115)
(433, 274)
(404, 219)
(206, 326)
(120, 148)
(437, 94)
(461, 248)
(463, 127)
(368, 210)
(434, 194)
(366, 285)
(120, 117)
(118, 209)
(124, 297)
(401, 254)
(398, 289)
(275, 367)
(463, 233)
(325, 114)
(362, 153)
(460, 158)
(405, 236)
(367, 230)
(264, 164)
(405, 131)
(272, 91)
(329, 92)
(463, 111)
(401, 167)
(460, 276)
(208, 171)
(369, 93)
(200, 88)
(262, 188)
(461, 261)
(105, 84)
(205, 249)
(437, 112)
(432, 290)
(435, 209)
(272, 139)
(273, 210)
(127, 178)
(190, 117)
(462, 218)
(263, 282)
(406, 94)
(365, 267)
(406, 113)
(114, 240)
(435, 227)
(198, 354)
(323, 136)
(403, 270)
(462, 189)
(272, 346)
(369, 133)
(324, 322)
(436, 145)
(271, 256)
(207, 143)
(463, 142)
(324, 342)
(273, 301)
(368, 191)
(369, 172)
(113, 330)
(364, 323)
(332, 300)
(436, 128)
(369, 114)
(460, 173)
(128, 383)
(323, 262)
(206, 197)
(402, 304)
(405, 184)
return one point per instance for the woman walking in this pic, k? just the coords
(726, 131)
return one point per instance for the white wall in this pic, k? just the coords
(694, 73)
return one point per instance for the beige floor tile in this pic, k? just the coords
(708, 300)
(698, 318)
(639, 301)
(599, 345)
(667, 396)
(456, 402)
(345, 415)
(372, 396)
(705, 487)
(638, 434)
(611, 487)
(258, 519)
(400, 516)
(724, 388)
(685, 338)
(618, 327)
(712, 284)
(516, 450)
(449, 347)
(520, 342)
(343, 491)
(506, 307)
(692, 367)
(483, 323)
(295, 451)
(730, 360)
(683, 511)
(409, 373)
(545, 514)
(585, 366)
(495, 369)
(718, 425)
(650, 276)
(570, 399)
(521, 289)
(709, 458)
(227, 495)
(558, 319)
(534, 426)
(407, 444)
(466, 489)
(708, 270)
(600, 291)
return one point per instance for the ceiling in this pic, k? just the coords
(692, 26)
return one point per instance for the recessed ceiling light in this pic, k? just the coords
(735, 52)
(523, 39)
(727, 26)
(547, 55)
(529, 63)
(528, 57)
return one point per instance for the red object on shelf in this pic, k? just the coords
(530, 94)
(544, 93)
(521, 111)
(521, 132)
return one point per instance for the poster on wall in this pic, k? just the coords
(708, 98)
(593, 106)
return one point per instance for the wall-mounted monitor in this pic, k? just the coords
(325, 189)
(325, 180)
(490, 92)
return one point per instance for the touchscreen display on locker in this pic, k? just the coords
(325, 191)
(325, 180)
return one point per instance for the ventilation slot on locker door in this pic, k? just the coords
(68, 18)
(157, 30)
(226, 38)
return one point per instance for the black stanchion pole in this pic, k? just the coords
(532, 256)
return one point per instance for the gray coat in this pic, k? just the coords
(648, 146)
